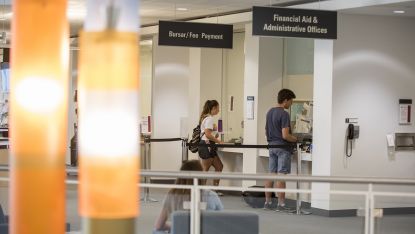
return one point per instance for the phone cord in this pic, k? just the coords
(347, 148)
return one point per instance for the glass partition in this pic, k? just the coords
(298, 76)
(233, 89)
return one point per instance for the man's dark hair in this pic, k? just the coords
(285, 94)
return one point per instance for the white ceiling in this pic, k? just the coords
(151, 11)
(386, 10)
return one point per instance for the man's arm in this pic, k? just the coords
(287, 136)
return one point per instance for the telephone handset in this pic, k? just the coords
(350, 132)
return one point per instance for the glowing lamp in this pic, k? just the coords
(38, 116)
(108, 124)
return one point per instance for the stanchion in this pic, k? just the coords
(185, 152)
(298, 203)
(147, 165)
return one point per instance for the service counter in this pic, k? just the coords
(232, 159)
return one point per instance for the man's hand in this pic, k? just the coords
(287, 136)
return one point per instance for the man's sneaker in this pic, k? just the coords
(285, 209)
(269, 206)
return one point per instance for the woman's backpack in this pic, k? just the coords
(195, 139)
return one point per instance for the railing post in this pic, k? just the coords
(147, 165)
(195, 219)
(192, 210)
(367, 210)
(298, 203)
(298, 197)
(371, 210)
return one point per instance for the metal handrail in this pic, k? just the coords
(245, 176)
(195, 188)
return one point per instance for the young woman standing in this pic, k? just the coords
(209, 135)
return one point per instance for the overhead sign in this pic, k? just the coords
(289, 22)
(172, 33)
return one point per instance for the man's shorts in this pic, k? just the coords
(279, 161)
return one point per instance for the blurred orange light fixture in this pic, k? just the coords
(108, 124)
(38, 116)
(108, 101)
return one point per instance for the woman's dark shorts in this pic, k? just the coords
(207, 152)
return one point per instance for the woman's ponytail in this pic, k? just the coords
(207, 108)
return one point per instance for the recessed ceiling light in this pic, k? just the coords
(181, 9)
(398, 12)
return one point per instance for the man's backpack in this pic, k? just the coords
(256, 199)
(195, 139)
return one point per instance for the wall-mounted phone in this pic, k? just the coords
(352, 133)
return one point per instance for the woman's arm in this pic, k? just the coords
(161, 222)
(209, 135)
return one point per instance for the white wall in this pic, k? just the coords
(374, 66)
(194, 92)
(210, 76)
(170, 103)
(322, 115)
(251, 77)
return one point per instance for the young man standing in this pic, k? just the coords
(278, 132)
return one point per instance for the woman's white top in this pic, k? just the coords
(207, 123)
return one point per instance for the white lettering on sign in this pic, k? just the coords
(193, 35)
(212, 36)
(295, 19)
(315, 29)
(174, 34)
(283, 28)
(295, 29)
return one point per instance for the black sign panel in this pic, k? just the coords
(195, 34)
(289, 22)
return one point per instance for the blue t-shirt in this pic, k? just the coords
(277, 119)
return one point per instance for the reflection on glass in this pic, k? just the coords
(233, 90)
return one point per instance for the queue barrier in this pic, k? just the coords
(147, 159)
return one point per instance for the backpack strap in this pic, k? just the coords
(202, 134)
